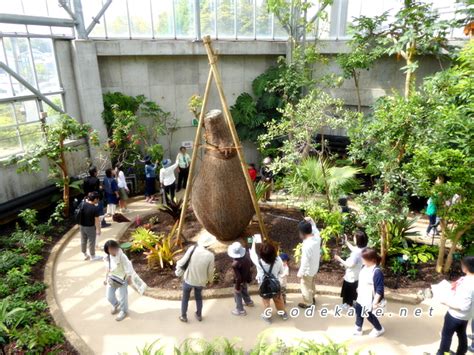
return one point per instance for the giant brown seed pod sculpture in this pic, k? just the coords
(220, 198)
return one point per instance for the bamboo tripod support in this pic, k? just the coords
(214, 73)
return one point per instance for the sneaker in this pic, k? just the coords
(357, 331)
(266, 319)
(114, 310)
(250, 304)
(86, 257)
(284, 316)
(471, 336)
(183, 319)
(198, 317)
(376, 333)
(345, 306)
(125, 210)
(471, 348)
(96, 258)
(236, 312)
(105, 224)
(303, 305)
(121, 316)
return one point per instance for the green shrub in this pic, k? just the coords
(142, 238)
(10, 259)
(39, 336)
(17, 278)
(31, 290)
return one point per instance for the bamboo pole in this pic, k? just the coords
(192, 166)
(214, 70)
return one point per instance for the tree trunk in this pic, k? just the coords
(356, 84)
(409, 78)
(65, 177)
(442, 247)
(455, 241)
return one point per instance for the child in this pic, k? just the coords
(461, 310)
(117, 278)
(242, 276)
(353, 264)
(284, 276)
(370, 293)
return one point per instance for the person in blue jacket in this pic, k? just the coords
(150, 179)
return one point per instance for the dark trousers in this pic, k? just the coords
(150, 186)
(169, 192)
(432, 224)
(182, 178)
(453, 325)
(185, 300)
(370, 317)
(349, 292)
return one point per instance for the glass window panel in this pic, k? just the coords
(184, 17)
(245, 18)
(117, 19)
(90, 8)
(45, 64)
(163, 18)
(19, 59)
(9, 142)
(208, 18)
(264, 20)
(225, 18)
(54, 10)
(39, 30)
(30, 135)
(12, 28)
(12, 7)
(5, 85)
(353, 10)
(34, 7)
(140, 18)
(53, 115)
(26, 111)
(7, 117)
(64, 31)
(279, 32)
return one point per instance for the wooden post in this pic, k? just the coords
(197, 140)
(214, 70)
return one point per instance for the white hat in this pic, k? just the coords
(235, 250)
(206, 240)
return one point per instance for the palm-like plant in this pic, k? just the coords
(164, 251)
(173, 208)
(317, 175)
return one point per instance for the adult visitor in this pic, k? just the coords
(309, 264)
(353, 265)
(269, 265)
(461, 310)
(196, 267)
(111, 191)
(242, 268)
(118, 277)
(370, 293)
(150, 177)
(267, 178)
(168, 179)
(122, 188)
(184, 161)
(89, 222)
(92, 183)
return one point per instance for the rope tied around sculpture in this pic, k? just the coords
(224, 153)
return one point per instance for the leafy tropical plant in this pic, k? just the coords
(9, 321)
(143, 238)
(55, 150)
(261, 189)
(164, 251)
(173, 208)
(39, 336)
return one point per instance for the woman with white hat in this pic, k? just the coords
(242, 266)
(197, 269)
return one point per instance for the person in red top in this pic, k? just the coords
(252, 172)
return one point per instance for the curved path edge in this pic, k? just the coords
(164, 294)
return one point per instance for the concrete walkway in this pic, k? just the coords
(79, 291)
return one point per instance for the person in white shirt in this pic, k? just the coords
(268, 261)
(196, 267)
(118, 276)
(168, 179)
(309, 265)
(122, 189)
(184, 160)
(352, 264)
(461, 310)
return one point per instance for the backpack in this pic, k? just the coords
(78, 213)
(270, 286)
